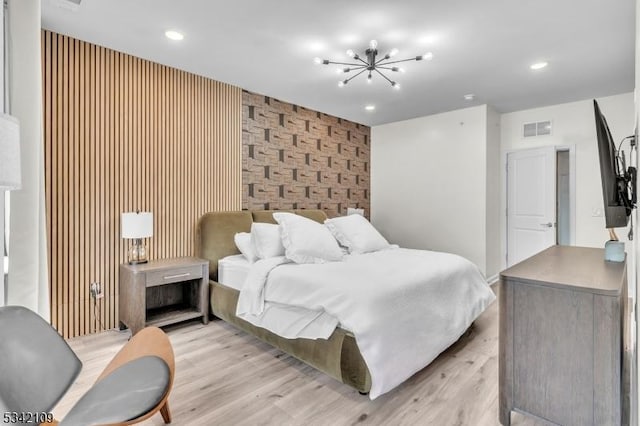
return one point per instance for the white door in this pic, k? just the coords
(531, 202)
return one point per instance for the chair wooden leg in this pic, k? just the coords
(166, 414)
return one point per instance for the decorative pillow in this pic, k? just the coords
(356, 233)
(307, 241)
(351, 210)
(243, 242)
(266, 241)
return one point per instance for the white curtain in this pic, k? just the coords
(28, 279)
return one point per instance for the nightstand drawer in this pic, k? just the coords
(174, 275)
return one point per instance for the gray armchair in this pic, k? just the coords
(37, 367)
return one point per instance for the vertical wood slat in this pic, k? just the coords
(123, 134)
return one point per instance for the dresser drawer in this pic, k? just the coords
(174, 275)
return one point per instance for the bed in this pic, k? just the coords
(337, 355)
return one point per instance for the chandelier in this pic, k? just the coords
(370, 63)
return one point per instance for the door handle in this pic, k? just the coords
(547, 225)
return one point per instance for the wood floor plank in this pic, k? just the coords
(227, 377)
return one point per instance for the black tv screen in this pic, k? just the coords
(614, 188)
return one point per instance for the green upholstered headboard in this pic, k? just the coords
(215, 231)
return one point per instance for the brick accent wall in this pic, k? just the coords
(297, 158)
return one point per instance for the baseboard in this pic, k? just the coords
(493, 279)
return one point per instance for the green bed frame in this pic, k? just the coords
(338, 356)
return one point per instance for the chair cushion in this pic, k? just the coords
(129, 392)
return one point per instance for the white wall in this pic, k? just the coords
(2, 193)
(574, 124)
(493, 245)
(635, 253)
(428, 182)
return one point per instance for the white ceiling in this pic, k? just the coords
(481, 47)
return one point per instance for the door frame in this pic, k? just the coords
(504, 226)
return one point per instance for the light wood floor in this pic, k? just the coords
(227, 377)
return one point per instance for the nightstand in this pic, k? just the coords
(163, 292)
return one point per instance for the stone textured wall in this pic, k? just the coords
(296, 158)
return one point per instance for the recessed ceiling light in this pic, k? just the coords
(370, 107)
(538, 65)
(469, 97)
(174, 35)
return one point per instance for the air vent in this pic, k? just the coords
(72, 5)
(541, 128)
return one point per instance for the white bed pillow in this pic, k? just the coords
(356, 234)
(307, 241)
(266, 241)
(243, 242)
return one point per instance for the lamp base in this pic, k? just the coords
(137, 253)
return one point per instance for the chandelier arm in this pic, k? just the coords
(385, 77)
(401, 60)
(345, 63)
(356, 68)
(384, 58)
(385, 68)
(362, 60)
(355, 75)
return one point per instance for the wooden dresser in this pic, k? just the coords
(561, 334)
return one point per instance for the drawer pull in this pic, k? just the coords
(170, 277)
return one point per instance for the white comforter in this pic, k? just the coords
(400, 324)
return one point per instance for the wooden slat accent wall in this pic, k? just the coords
(125, 134)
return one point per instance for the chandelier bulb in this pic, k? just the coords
(373, 44)
(351, 53)
(340, 83)
(317, 60)
(393, 52)
(395, 85)
(427, 56)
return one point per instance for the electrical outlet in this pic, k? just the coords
(96, 290)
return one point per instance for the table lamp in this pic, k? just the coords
(136, 226)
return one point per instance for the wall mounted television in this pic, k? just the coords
(618, 180)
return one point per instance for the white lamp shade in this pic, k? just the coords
(137, 225)
(351, 210)
(9, 153)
